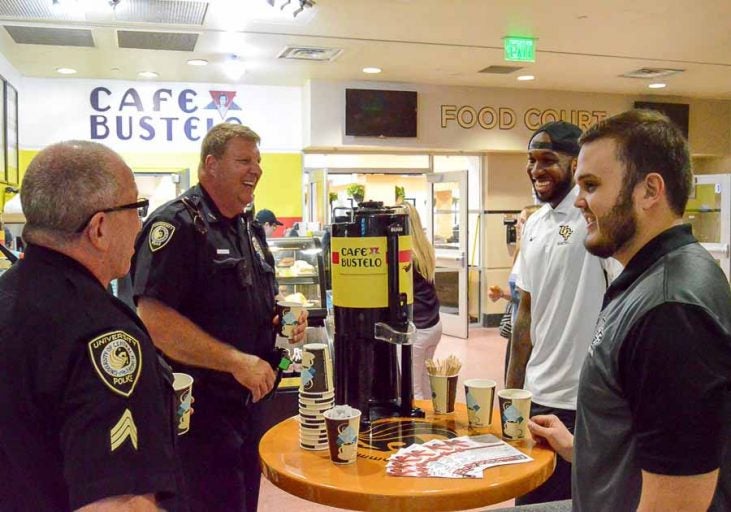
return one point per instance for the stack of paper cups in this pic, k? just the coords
(316, 395)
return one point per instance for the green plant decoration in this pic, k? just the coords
(400, 194)
(333, 196)
(356, 191)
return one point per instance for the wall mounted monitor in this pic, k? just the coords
(679, 113)
(378, 113)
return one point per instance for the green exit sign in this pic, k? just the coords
(520, 49)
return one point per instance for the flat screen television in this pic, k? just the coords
(377, 113)
(679, 113)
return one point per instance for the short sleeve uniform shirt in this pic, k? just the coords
(216, 271)
(87, 403)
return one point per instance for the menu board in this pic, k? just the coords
(11, 135)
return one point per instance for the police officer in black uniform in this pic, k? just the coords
(204, 284)
(87, 417)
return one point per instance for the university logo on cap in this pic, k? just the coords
(160, 234)
(117, 359)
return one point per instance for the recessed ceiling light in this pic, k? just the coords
(372, 70)
(147, 74)
(657, 85)
(197, 62)
(66, 71)
(524, 78)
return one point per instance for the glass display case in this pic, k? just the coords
(709, 212)
(300, 273)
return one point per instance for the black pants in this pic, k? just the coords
(558, 486)
(220, 459)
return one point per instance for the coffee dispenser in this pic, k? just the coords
(372, 292)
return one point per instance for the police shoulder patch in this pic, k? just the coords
(117, 359)
(160, 234)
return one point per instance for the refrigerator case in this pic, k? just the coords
(709, 212)
(300, 273)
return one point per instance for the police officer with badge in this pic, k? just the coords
(87, 421)
(204, 285)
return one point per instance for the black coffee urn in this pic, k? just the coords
(372, 290)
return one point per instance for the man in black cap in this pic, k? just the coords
(561, 292)
(268, 221)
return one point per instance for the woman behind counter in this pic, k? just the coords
(426, 305)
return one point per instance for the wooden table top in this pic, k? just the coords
(366, 486)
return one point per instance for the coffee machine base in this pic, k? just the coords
(379, 412)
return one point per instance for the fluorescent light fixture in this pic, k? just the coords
(197, 62)
(147, 74)
(372, 70)
(66, 71)
(657, 85)
(525, 78)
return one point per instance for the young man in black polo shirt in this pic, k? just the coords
(654, 408)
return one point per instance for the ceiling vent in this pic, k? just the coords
(309, 53)
(31, 9)
(500, 70)
(173, 41)
(51, 36)
(649, 73)
(174, 12)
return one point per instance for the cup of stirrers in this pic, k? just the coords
(446, 368)
(443, 380)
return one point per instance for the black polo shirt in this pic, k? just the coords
(655, 388)
(87, 405)
(216, 271)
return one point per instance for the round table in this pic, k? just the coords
(366, 486)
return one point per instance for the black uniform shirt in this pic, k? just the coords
(87, 405)
(217, 272)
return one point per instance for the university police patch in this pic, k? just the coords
(160, 234)
(117, 359)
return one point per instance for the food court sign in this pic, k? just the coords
(489, 117)
(165, 113)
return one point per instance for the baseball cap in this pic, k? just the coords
(264, 216)
(564, 137)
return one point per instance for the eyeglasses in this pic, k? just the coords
(141, 206)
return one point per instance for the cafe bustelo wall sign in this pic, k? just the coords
(163, 113)
(156, 116)
(506, 118)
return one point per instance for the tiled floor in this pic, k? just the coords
(482, 355)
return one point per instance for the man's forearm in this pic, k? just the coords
(691, 493)
(520, 344)
(125, 503)
(182, 340)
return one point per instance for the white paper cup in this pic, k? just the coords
(443, 393)
(514, 412)
(288, 313)
(479, 396)
(183, 386)
(342, 437)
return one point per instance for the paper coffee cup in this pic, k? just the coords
(479, 396)
(183, 386)
(316, 375)
(288, 313)
(443, 393)
(514, 412)
(342, 435)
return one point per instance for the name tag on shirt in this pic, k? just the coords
(223, 251)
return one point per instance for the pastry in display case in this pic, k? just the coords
(300, 273)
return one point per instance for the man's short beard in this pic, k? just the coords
(615, 228)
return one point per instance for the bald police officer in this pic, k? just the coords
(87, 420)
(204, 284)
